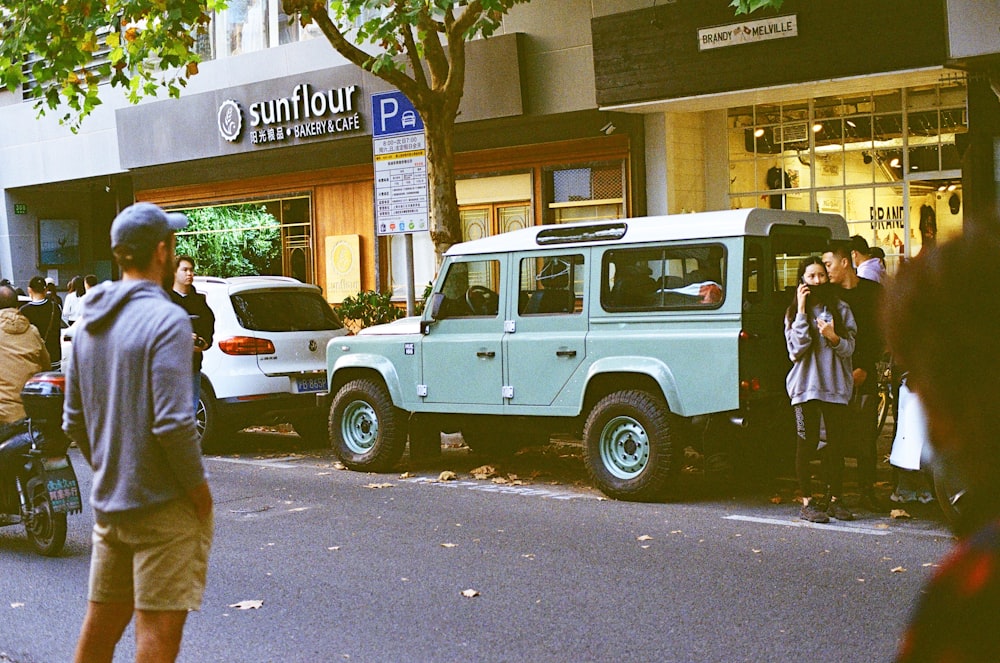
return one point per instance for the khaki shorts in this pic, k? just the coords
(157, 561)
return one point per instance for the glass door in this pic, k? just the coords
(935, 209)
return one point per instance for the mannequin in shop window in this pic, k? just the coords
(928, 228)
(778, 179)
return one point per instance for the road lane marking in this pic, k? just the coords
(854, 529)
(260, 462)
(532, 491)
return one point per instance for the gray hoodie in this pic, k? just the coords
(819, 371)
(128, 397)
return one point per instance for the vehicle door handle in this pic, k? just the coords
(486, 354)
(565, 353)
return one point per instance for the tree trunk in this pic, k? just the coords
(445, 225)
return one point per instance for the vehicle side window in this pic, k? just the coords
(551, 285)
(664, 278)
(471, 289)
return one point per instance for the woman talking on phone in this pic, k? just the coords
(819, 334)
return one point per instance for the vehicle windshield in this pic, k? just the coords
(284, 311)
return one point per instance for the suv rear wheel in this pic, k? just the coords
(211, 424)
(629, 452)
(367, 431)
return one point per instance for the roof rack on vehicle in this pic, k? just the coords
(573, 234)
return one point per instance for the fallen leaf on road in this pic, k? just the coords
(756, 550)
(499, 480)
(334, 548)
(777, 499)
(301, 508)
(323, 474)
(929, 564)
(644, 537)
(378, 485)
(247, 605)
(644, 547)
(339, 466)
(676, 531)
(17, 605)
(470, 593)
(447, 475)
(406, 475)
(899, 513)
(483, 472)
(898, 569)
(448, 545)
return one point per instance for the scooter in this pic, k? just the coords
(38, 486)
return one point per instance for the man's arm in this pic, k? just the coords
(74, 422)
(173, 415)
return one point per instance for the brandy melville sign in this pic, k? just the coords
(303, 114)
(777, 27)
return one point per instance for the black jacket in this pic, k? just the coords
(202, 318)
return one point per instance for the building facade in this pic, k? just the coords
(574, 110)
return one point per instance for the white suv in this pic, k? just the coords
(267, 362)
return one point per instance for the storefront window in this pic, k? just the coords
(261, 237)
(868, 157)
(585, 192)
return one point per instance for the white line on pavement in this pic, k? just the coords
(855, 529)
(261, 462)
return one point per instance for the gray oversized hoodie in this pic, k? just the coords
(819, 371)
(128, 397)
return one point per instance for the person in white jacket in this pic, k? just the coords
(819, 333)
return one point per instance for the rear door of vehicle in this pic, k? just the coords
(550, 325)
(298, 322)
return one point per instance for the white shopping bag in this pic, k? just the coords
(911, 431)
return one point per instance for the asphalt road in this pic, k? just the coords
(358, 567)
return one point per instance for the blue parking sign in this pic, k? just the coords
(393, 114)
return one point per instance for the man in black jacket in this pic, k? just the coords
(863, 296)
(46, 315)
(202, 319)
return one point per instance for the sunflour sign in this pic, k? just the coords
(304, 114)
(778, 27)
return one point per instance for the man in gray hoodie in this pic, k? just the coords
(128, 408)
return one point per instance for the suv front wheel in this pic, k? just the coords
(628, 446)
(367, 431)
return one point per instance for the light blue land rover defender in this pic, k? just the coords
(643, 335)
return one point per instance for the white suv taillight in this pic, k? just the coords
(246, 345)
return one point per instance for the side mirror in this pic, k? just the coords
(435, 304)
(434, 309)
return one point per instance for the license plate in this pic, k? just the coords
(310, 385)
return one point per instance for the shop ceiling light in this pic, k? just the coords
(758, 132)
(895, 162)
(952, 186)
(817, 127)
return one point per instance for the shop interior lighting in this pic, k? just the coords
(952, 186)
(758, 132)
(817, 127)
(895, 162)
(942, 187)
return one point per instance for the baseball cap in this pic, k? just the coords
(144, 225)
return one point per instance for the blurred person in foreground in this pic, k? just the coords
(943, 325)
(128, 407)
